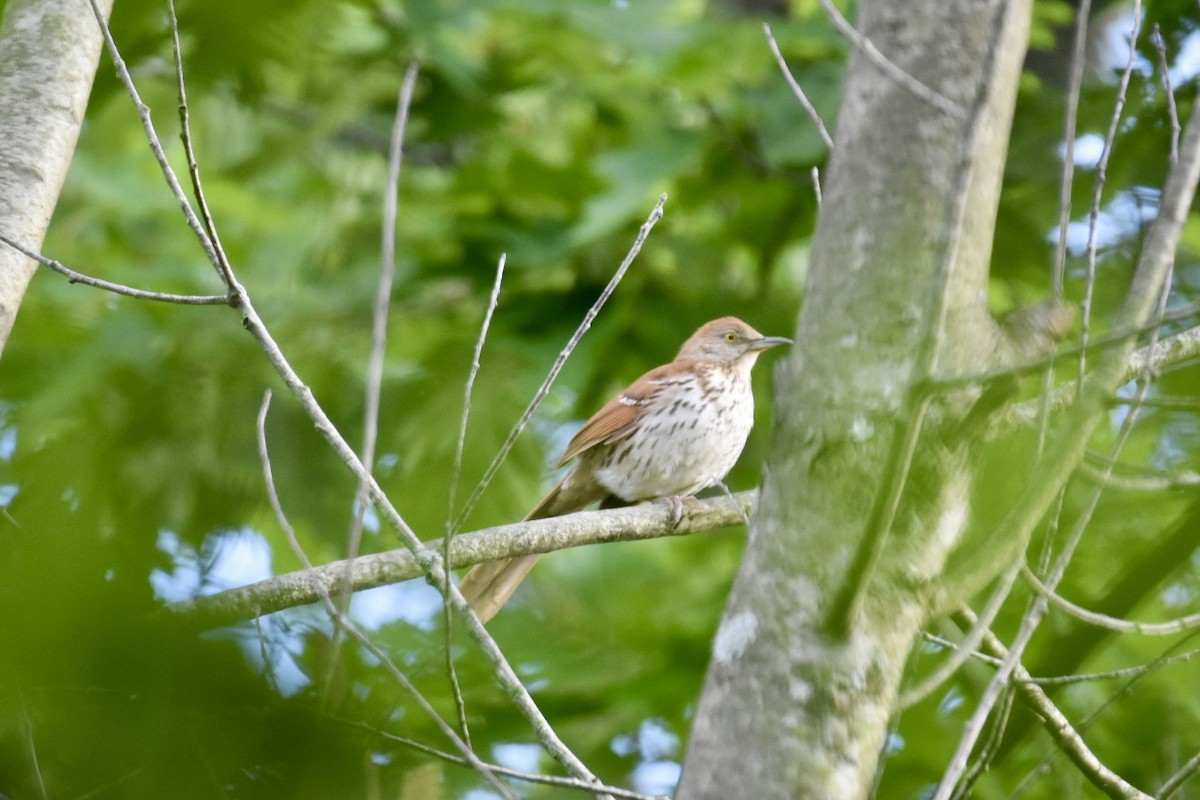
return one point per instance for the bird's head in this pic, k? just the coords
(729, 341)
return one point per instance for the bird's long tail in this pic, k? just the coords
(488, 586)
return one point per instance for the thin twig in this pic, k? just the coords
(383, 292)
(544, 389)
(1098, 189)
(224, 268)
(816, 180)
(116, 288)
(890, 68)
(797, 90)
(1157, 484)
(31, 746)
(1162, 402)
(456, 474)
(1117, 338)
(346, 624)
(991, 745)
(379, 332)
(160, 155)
(741, 507)
(1084, 724)
(1164, 74)
(1065, 680)
(1182, 776)
(1065, 184)
(1082, 614)
(1066, 177)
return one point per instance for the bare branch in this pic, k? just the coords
(1078, 59)
(456, 474)
(117, 288)
(383, 291)
(797, 90)
(221, 263)
(160, 155)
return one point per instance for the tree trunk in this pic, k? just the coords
(49, 50)
(798, 697)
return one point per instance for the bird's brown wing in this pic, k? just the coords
(617, 418)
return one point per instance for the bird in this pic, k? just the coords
(676, 430)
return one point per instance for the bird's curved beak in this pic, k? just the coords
(767, 342)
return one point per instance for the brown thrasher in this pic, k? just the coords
(676, 430)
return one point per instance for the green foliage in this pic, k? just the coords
(541, 130)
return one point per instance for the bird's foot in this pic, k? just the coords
(675, 504)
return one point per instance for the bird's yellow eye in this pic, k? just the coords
(731, 337)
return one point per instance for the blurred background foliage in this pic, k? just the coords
(544, 131)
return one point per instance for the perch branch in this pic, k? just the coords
(505, 541)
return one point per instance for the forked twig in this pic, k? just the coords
(1064, 734)
(116, 288)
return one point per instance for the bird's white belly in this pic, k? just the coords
(687, 442)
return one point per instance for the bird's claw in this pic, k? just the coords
(675, 504)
